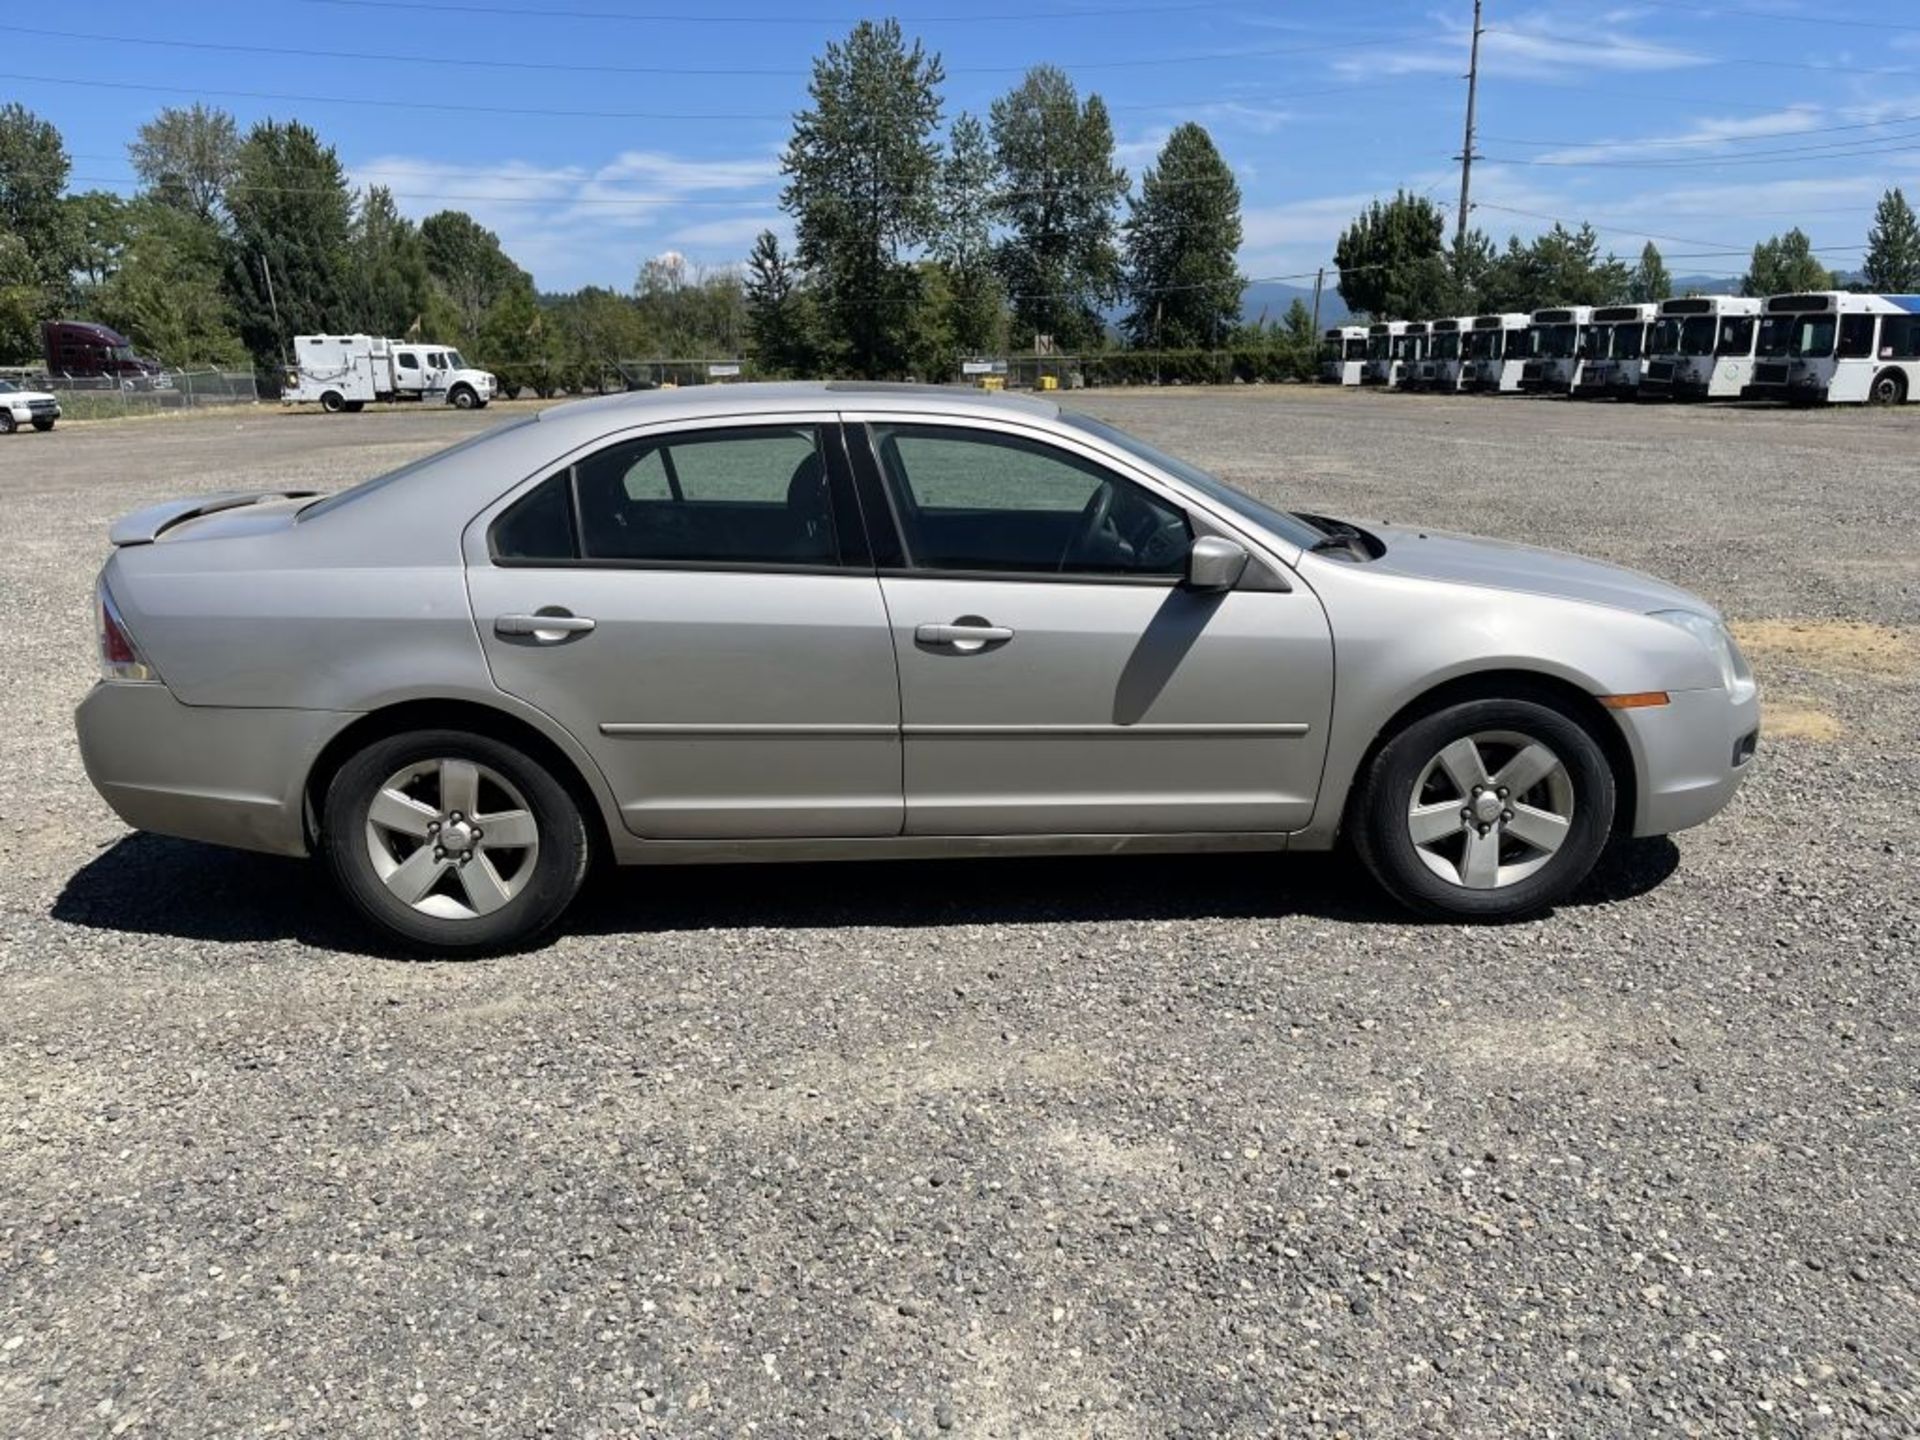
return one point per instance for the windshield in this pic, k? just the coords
(120, 352)
(1556, 341)
(1377, 346)
(1803, 336)
(1595, 341)
(454, 360)
(1287, 527)
(7, 387)
(1446, 346)
(1697, 335)
(1629, 339)
(1356, 349)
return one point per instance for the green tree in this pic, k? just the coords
(975, 305)
(166, 294)
(779, 313)
(1893, 248)
(1785, 265)
(387, 278)
(1182, 279)
(291, 218)
(97, 225)
(510, 333)
(861, 168)
(1649, 283)
(689, 313)
(22, 301)
(470, 269)
(1390, 258)
(187, 158)
(1298, 342)
(33, 178)
(1061, 201)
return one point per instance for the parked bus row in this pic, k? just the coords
(1831, 347)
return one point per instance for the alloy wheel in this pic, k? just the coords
(1490, 810)
(451, 838)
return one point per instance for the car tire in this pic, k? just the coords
(1442, 843)
(333, 402)
(464, 398)
(1889, 388)
(401, 877)
(354, 407)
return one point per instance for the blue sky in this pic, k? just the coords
(597, 133)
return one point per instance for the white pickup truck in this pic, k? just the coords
(21, 406)
(344, 372)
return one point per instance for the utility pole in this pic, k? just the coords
(1319, 279)
(1465, 157)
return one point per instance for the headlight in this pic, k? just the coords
(1734, 674)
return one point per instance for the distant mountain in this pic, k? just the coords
(1273, 298)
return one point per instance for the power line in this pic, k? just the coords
(722, 18)
(1777, 157)
(1609, 229)
(1694, 142)
(1824, 21)
(362, 57)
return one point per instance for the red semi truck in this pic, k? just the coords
(81, 350)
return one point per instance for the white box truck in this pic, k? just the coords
(344, 372)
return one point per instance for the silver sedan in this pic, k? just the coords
(857, 621)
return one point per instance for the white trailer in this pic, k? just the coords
(1499, 349)
(1701, 348)
(1343, 351)
(1615, 350)
(1386, 349)
(344, 372)
(1839, 348)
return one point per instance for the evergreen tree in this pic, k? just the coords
(861, 168)
(1785, 265)
(387, 277)
(1893, 248)
(974, 309)
(779, 319)
(1298, 342)
(1061, 198)
(187, 158)
(1649, 283)
(1183, 236)
(287, 256)
(1389, 258)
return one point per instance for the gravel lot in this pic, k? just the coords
(1138, 1147)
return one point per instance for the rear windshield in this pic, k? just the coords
(380, 482)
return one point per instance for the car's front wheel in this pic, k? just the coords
(453, 841)
(1486, 810)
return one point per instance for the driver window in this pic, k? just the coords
(985, 501)
(409, 361)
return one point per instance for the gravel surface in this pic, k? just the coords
(1141, 1147)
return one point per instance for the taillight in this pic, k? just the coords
(120, 658)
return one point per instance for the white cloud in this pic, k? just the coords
(1710, 135)
(735, 233)
(575, 225)
(1529, 47)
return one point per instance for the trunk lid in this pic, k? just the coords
(176, 519)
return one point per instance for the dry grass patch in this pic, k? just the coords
(1831, 645)
(1799, 723)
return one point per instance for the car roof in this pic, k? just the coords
(697, 401)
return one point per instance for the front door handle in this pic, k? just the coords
(966, 635)
(546, 627)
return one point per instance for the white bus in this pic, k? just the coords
(1497, 351)
(1555, 366)
(1386, 349)
(1343, 350)
(1839, 348)
(1451, 367)
(1701, 348)
(1417, 347)
(1616, 348)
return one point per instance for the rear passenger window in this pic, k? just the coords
(746, 496)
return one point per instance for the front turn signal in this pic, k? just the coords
(1639, 700)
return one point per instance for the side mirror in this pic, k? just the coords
(1215, 564)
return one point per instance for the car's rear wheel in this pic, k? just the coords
(7, 423)
(333, 402)
(453, 841)
(1889, 388)
(1486, 810)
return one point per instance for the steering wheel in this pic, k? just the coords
(1094, 516)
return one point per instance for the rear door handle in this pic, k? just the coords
(963, 635)
(547, 628)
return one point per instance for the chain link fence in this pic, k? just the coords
(93, 397)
